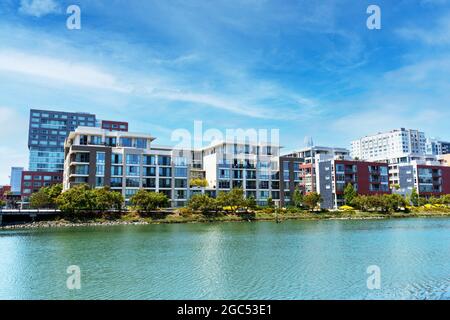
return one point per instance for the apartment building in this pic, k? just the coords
(428, 178)
(333, 175)
(251, 166)
(437, 147)
(395, 146)
(125, 162)
(114, 125)
(300, 168)
(47, 133)
(32, 181)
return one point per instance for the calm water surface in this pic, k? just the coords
(292, 260)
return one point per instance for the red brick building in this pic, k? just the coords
(114, 125)
(32, 181)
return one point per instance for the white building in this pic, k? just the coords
(394, 146)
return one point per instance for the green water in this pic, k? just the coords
(265, 260)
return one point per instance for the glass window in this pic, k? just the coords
(164, 160)
(165, 172)
(133, 171)
(181, 172)
(141, 143)
(133, 159)
(126, 142)
(116, 182)
(116, 158)
(116, 170)
(101, 157)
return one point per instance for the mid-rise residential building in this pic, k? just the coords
(333, 175)
(127, 162)
(302, 167)
(396, 146)
(254, 167)
(32, 181)
(16, 179)
(437, 147)
(114, 125)
(47, 133)
(428, 178)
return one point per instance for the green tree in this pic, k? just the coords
(77, 199)
(40, 199)
(250, 203)
(270, 202)
(312, 200)
(234, 199)
(349, 194)
(203, 203)
(148, 201)
(105, 199)
(297, 198)
(2, 204)
(414, 197)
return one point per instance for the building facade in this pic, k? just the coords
(304, 168)
(114, 125)
(47, 133)
(16, 179)
(252, 167)
(32, 181)
(437, 147)
(367, 178)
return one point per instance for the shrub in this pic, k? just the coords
(149, 201)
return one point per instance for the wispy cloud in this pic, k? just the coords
(39, 8)
(66, 71)
(437, 35)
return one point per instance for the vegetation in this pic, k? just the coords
(2, 203)
(383, 203)
(204, 203)
(197, 182)
(82, 199)
(349, 194)
(312, 200)
(297, 198)
(146, 201)
(414, 198)
(46, 197)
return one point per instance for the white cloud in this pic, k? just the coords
(65, 71)
(39, 8)
(439, 35)
(13, 152)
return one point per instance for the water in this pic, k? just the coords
(264, 260)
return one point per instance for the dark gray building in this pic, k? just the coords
(47, 133)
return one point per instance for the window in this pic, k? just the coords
(132, 182)
(100, 170)
(133, 171)
(116, 182)
(126, 142)
(99, 181)
(165, 172)
(116, 170)
(149, 183)
(141, 143)
(149, 160)
(165, 183)
(101, 158)
(133, 159)
(180, 183)
(116, 158)
(181, 172)
(164, 160)
(150, 171)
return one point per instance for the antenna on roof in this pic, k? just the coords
(308, 141)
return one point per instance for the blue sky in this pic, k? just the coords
(307, 68)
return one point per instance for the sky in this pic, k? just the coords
(307, 68)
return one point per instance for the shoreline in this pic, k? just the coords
(227, 218)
